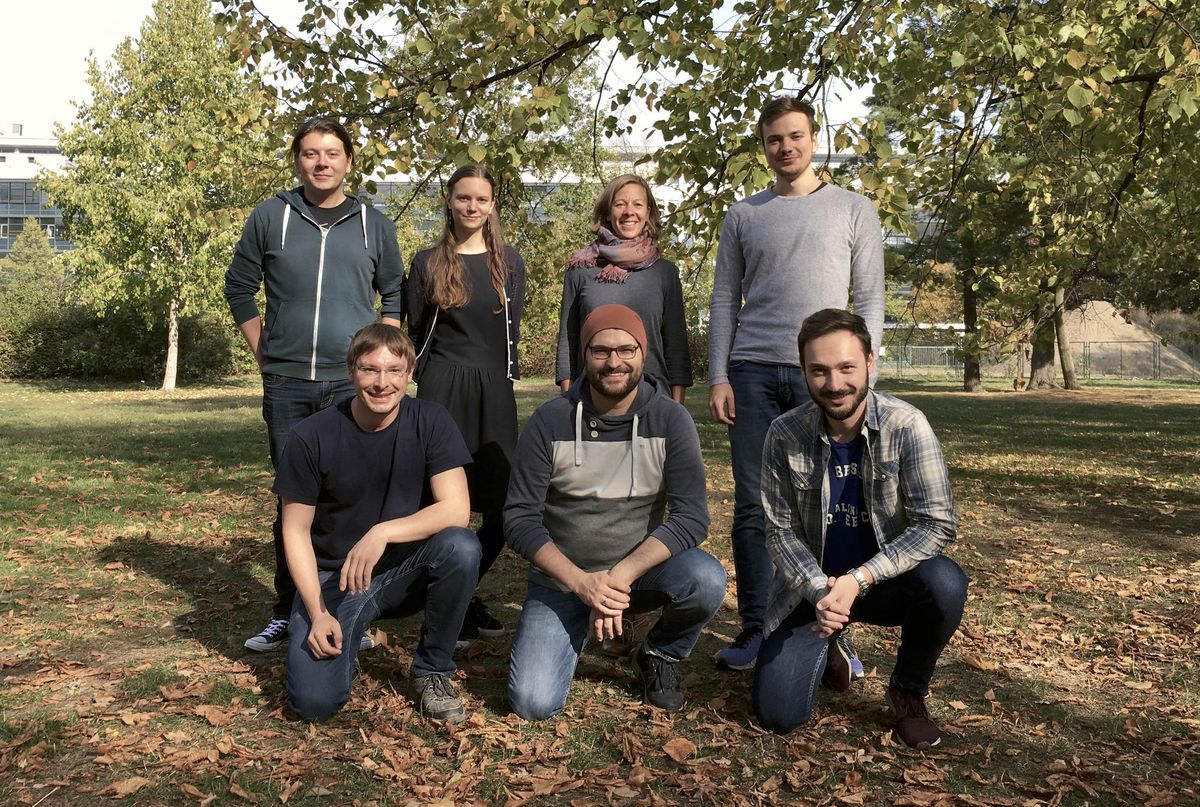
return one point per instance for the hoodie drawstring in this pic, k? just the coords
(287, 214)
(363, 212)
(633, 457)
(579, 433)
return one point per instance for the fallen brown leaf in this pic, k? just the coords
(679, 748)
(127, 787)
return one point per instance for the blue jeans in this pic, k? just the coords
(286, 402)
(553, 628)
(926, 602)
(761, 393)
(438, 574)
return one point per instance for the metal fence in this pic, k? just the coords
(1133, 360)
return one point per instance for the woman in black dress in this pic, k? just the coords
(465, 297)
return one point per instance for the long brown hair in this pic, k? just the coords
(446, 282)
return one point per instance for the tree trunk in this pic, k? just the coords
(1064, 346)
(1041, 364)
(172, 367)
(972, 378)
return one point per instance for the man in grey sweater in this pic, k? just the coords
(785, 252)
(593, 472)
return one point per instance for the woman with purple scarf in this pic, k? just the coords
(624, 265)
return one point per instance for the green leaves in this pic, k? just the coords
(164, 161)
(1080, 96)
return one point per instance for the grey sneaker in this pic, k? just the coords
(437, 699)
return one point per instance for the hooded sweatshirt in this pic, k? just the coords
(598, 485)
(320, 283)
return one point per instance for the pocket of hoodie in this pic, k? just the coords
(337, 328)
(273, 342)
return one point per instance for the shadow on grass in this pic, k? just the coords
(228, 601)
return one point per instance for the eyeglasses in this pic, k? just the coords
(389, 373)
(602, 352)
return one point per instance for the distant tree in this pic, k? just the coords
(32, 291)
(164, 163)
(31, 259)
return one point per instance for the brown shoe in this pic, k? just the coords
(914, 726)
(837, 666)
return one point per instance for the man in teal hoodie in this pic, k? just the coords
(322, 256)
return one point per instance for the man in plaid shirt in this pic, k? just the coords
(858, 511)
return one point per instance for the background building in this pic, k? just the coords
(20, 160)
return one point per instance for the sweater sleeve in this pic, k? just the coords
(568, 327)
(687, 501)
(677, 355)
(389, 272)
(527, 486)
(245, 274)
(866, 270)
(726, 300)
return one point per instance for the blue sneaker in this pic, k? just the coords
(856, 665)
(742, 653)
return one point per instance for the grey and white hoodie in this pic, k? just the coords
(597, 486)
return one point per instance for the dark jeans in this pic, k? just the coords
(761, 393)
(286, 402)
(926, 602)
(553, 628)
(438, 574)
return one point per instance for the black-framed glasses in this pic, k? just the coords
(602, 352)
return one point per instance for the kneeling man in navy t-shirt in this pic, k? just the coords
(375, 510)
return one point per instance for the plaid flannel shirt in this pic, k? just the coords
(905, 484)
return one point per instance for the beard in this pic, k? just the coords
(847, 407)
(614, 386)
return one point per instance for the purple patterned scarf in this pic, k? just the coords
(618, 256)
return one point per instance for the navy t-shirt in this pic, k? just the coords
(357, 478)
(849, 539)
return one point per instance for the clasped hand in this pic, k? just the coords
(833, 610)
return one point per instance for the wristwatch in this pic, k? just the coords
(863, 585)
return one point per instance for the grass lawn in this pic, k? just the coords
(135, 559)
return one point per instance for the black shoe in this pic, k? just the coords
(271, 637)
(468, 634)
(479, 616)
(662, 684)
